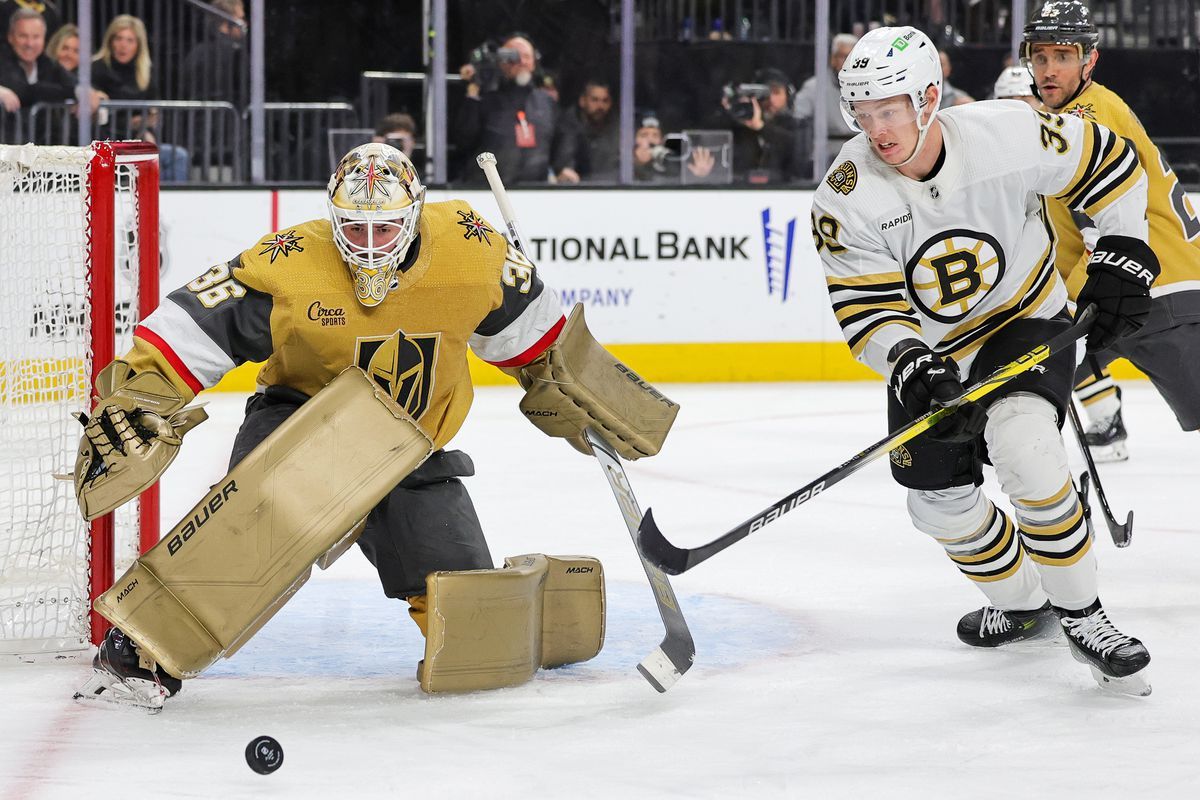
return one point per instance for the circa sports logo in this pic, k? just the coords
(328, 317)
(952, 272)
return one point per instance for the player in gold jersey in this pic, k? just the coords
(1060, 49)
(400, 288)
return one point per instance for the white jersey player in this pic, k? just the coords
(939, 259)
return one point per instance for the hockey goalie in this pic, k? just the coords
(363, 320)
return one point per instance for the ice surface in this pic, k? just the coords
(826, 667)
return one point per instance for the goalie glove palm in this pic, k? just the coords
(922, 381)
(1120, 273)
(125, 447)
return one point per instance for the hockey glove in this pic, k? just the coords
(1120, 273)
(923, 381)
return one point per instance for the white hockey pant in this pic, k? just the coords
(1048, 554)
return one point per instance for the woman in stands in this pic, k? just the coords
(123, 70)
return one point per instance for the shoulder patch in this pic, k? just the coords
(844, 178)
(281, 244)
(1083, 111)
(475, 227)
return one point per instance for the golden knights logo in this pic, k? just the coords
(952, 272)
(281, 244)
(844, 178)
(403, 365)
(1083, 111)
(476, 228)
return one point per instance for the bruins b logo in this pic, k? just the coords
(403, 365)
(952, 272)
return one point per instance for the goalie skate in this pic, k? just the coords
(1118, 662)
(122, 677)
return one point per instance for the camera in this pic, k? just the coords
(740, 95)
(486, 59)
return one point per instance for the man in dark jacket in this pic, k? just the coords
(765, 147)
(27, 75)
(517, 120)
(591, 130)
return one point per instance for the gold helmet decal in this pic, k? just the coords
(374, 200)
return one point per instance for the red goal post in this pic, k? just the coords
(80, 259)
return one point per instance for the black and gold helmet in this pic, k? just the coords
(1061, 22)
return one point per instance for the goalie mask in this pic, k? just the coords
(375, 200)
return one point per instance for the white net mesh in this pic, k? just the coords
(45, 363)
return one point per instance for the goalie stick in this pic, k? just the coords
(1122, 533)
(676, 560)
(674, 656)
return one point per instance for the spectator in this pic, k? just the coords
(1015, 83)
(48, 9)
(27, 75)
(123, 70)
(804, 108)
(63, 47)
(591, 129)
(215, 69)
(951, 95)
(515, 119)
(655, 162)
(764, 131)
(398, 130)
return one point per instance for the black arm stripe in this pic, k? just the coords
(1094, 130)
(876, 287)
(873, 326)
(858, 301)
(1102, 192)
(1097, 179)
(512, 305)
(240, 326)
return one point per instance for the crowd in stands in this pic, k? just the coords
(40, 58)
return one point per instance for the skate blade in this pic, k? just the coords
(104, 687)
(1134, 685)
(1110, 453)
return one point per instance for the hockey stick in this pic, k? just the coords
(675, 560)
(675, 654)
(1121, 534)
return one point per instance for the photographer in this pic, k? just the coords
(508, 113)
(764, 130)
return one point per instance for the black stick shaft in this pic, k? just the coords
(675, 560)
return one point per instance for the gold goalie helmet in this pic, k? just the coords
(375, 200)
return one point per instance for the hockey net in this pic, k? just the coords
(79, 263)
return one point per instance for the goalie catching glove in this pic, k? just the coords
(922, 381)
(132, 437)
(577, 384)
(1119, 276)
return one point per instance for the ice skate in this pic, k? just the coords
(1106, 438)
(1117, 661)
(994, 627)
(123, 677)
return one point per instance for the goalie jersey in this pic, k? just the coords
(954, 258)
(1174, 223)
(289, 301)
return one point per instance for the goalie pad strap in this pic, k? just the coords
(577, 384)
(219, 575)
(491, 628)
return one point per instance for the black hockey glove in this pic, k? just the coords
(1120, 274)
(922, 381)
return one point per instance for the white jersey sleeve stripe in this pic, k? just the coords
(198, 353)
(514, 342)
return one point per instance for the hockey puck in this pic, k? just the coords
(264, 755)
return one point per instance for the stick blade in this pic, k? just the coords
(657, 550)
(660, 671)
(1122, 535)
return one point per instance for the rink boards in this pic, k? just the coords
(696, 286)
